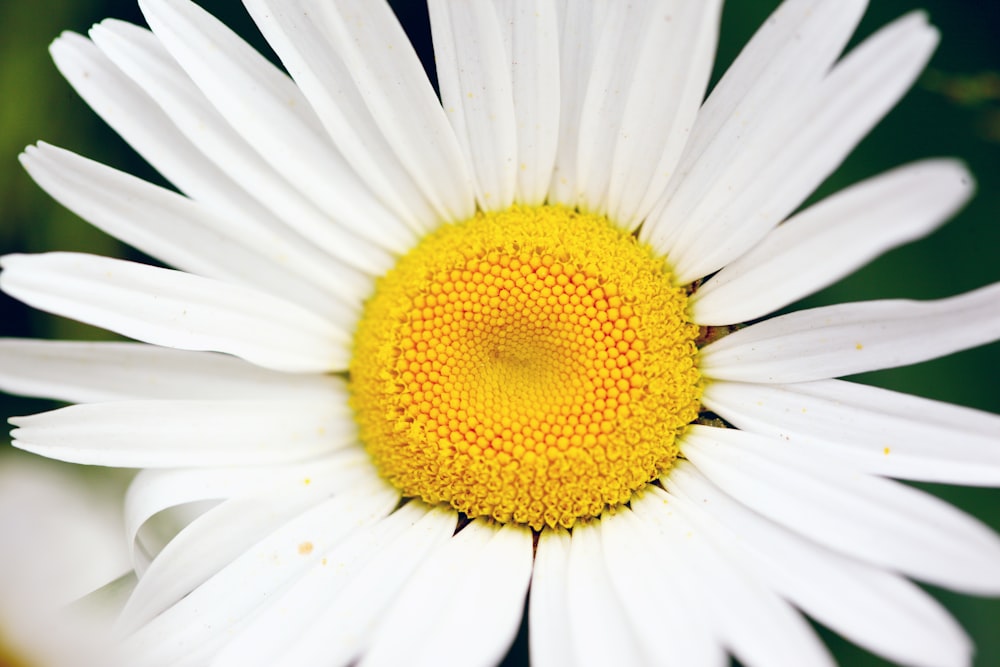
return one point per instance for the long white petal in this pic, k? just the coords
(870, 429)
(757, 626)
(599, 631)
(176, 309)
(327, 615)
(392, 82)
(661, 610)
(870, 518)
(473, 74)
(548, 605)
(231, 596)
(878, 610)
(183, 233)
(642, 101)
(148, 434)
(86, 372)
(852, 338)
(272, 115)
(310, 56)
(463, 605)
(795, 151)
(531, 40)
(833, 238)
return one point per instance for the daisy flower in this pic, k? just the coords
(426, 367)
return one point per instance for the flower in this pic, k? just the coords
(488, 349)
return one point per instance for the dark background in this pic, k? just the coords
(953, 110)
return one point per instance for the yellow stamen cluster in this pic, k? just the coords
(533, 365)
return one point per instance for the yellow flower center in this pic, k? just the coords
(532, 365)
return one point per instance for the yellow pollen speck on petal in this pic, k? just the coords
(886, 451)
(305, 548)
(534, 365)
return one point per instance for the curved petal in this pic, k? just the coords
(870, 518)
(850, 338)
(475, 82)
(794, 151)
(869, 429)
(757, 626)
(548, 605)
(183, 233)
(176, 309)
(449, 609)
(833, 238)
(153, 434)
(86, 372)
(266, 108)
(874, 608)
(327, 616)
(531, 39)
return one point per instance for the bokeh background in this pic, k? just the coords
(953, 110)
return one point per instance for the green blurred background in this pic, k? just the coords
(953, 110)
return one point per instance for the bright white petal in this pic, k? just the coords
(832, 239)
(85, 372)
(878, 610)
(548, 604)
(870, 429)
(850, 338)
(531, 40)
(581, 25)
(151, 434)
(774, 171)
(649, 81)
(293, 30)
(757, 626)
(392, 82)
(599, 630)
(180, 232)
(176, 309)
(464, 605)
(266, 108)
(327, 615)
(234, 593)
(474, 77)
(660, 608)
(870, 518)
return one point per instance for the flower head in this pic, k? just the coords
(511, 344)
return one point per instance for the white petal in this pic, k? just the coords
(85, 372)
(463, 605)
(599, 631)
(230, 598)
(327, 616)
(391, 80)
(293, 30)
(878, 610)
(270, 113)
(156, 490)
(758, 627)
(548, 604)
(581, 25)
(870, 429)
(788, 55)
(175, 309)
(276, 206)
(531, 40)
(474, 77)
(662, 612)
(833, 238)
(180, 232)
(870, 518)
(144, 434)
(650, 75)
(852, 338)
(775, 170)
